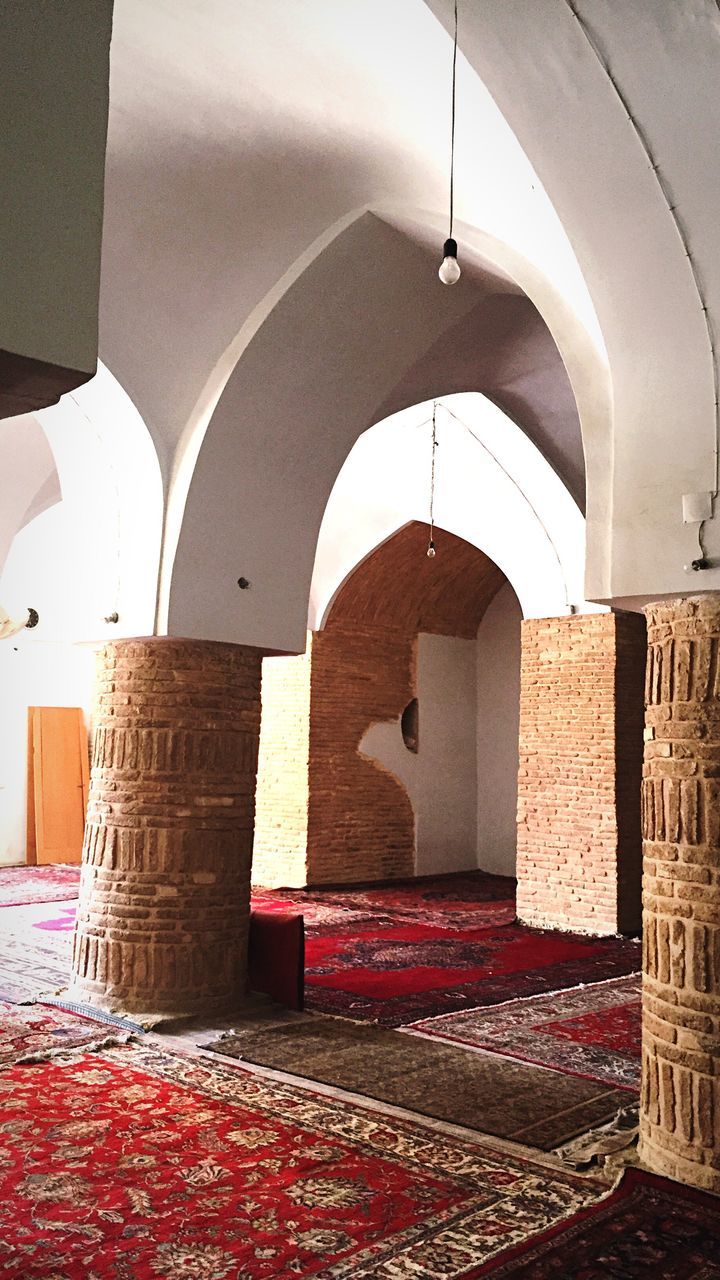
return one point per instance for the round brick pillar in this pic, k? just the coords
(680, 1107)
(165, 891)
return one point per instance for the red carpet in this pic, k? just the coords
(20, 886)
(649, 1227)
(400, 974)
(40, 1032)
(134, 1164)
(468, 900)
(592, 1031)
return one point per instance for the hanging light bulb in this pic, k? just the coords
(449, 271)
(431, 549)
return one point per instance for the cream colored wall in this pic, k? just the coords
(444, 795)
(440, 779)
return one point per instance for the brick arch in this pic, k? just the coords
(400, 588)
(327, 813)
(362, 824)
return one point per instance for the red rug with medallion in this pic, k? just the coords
(137, 1164)
(648, 1228)
(398, 974)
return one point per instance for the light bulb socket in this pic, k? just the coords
(450, 248)
(33, 618)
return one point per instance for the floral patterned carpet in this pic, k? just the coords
(591, 1031)
(648, 1229)
(137, 1164)
(39, 1033)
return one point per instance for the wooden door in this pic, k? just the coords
(57, 784)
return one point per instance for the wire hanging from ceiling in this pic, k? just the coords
(449, 271)
(431, 540)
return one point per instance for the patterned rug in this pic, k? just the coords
(648, 1227)
(141, 1165)
(35, 950)
(467, 900)
(319, 916)
(35, 1033)
(541, 1109)
(592, 1031)
(395, 976)
(22, 885)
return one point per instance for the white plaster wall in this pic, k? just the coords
(112, 514)
(639, 206)
(441, 779)
(498, 714)
(37, 673)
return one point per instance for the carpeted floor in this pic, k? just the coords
(22, 885)
(142, 1164)
(397, 975)
(471, 900)
(376, 954)
(30, 1033)
(35, 949)
(591, 1031)
(647, 1228)
(541, 1109)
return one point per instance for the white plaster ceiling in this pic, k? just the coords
(240, 132)
(28, 477)
(276, 196)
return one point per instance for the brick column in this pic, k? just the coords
(580, 771)
(680, 1108)
(164, 899)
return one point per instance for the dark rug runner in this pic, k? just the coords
(511, 1100)
(648, 1227)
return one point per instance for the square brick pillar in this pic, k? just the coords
(280, 857)
(165, 890)
(580, 770)
(326, 813)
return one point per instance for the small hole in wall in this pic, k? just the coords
(410, 726)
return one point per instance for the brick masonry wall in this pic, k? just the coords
(579, 772)
(164, 898)
(281, 805)
(680, 1106)
(361, 823)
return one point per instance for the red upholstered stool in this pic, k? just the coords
(276, 956)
